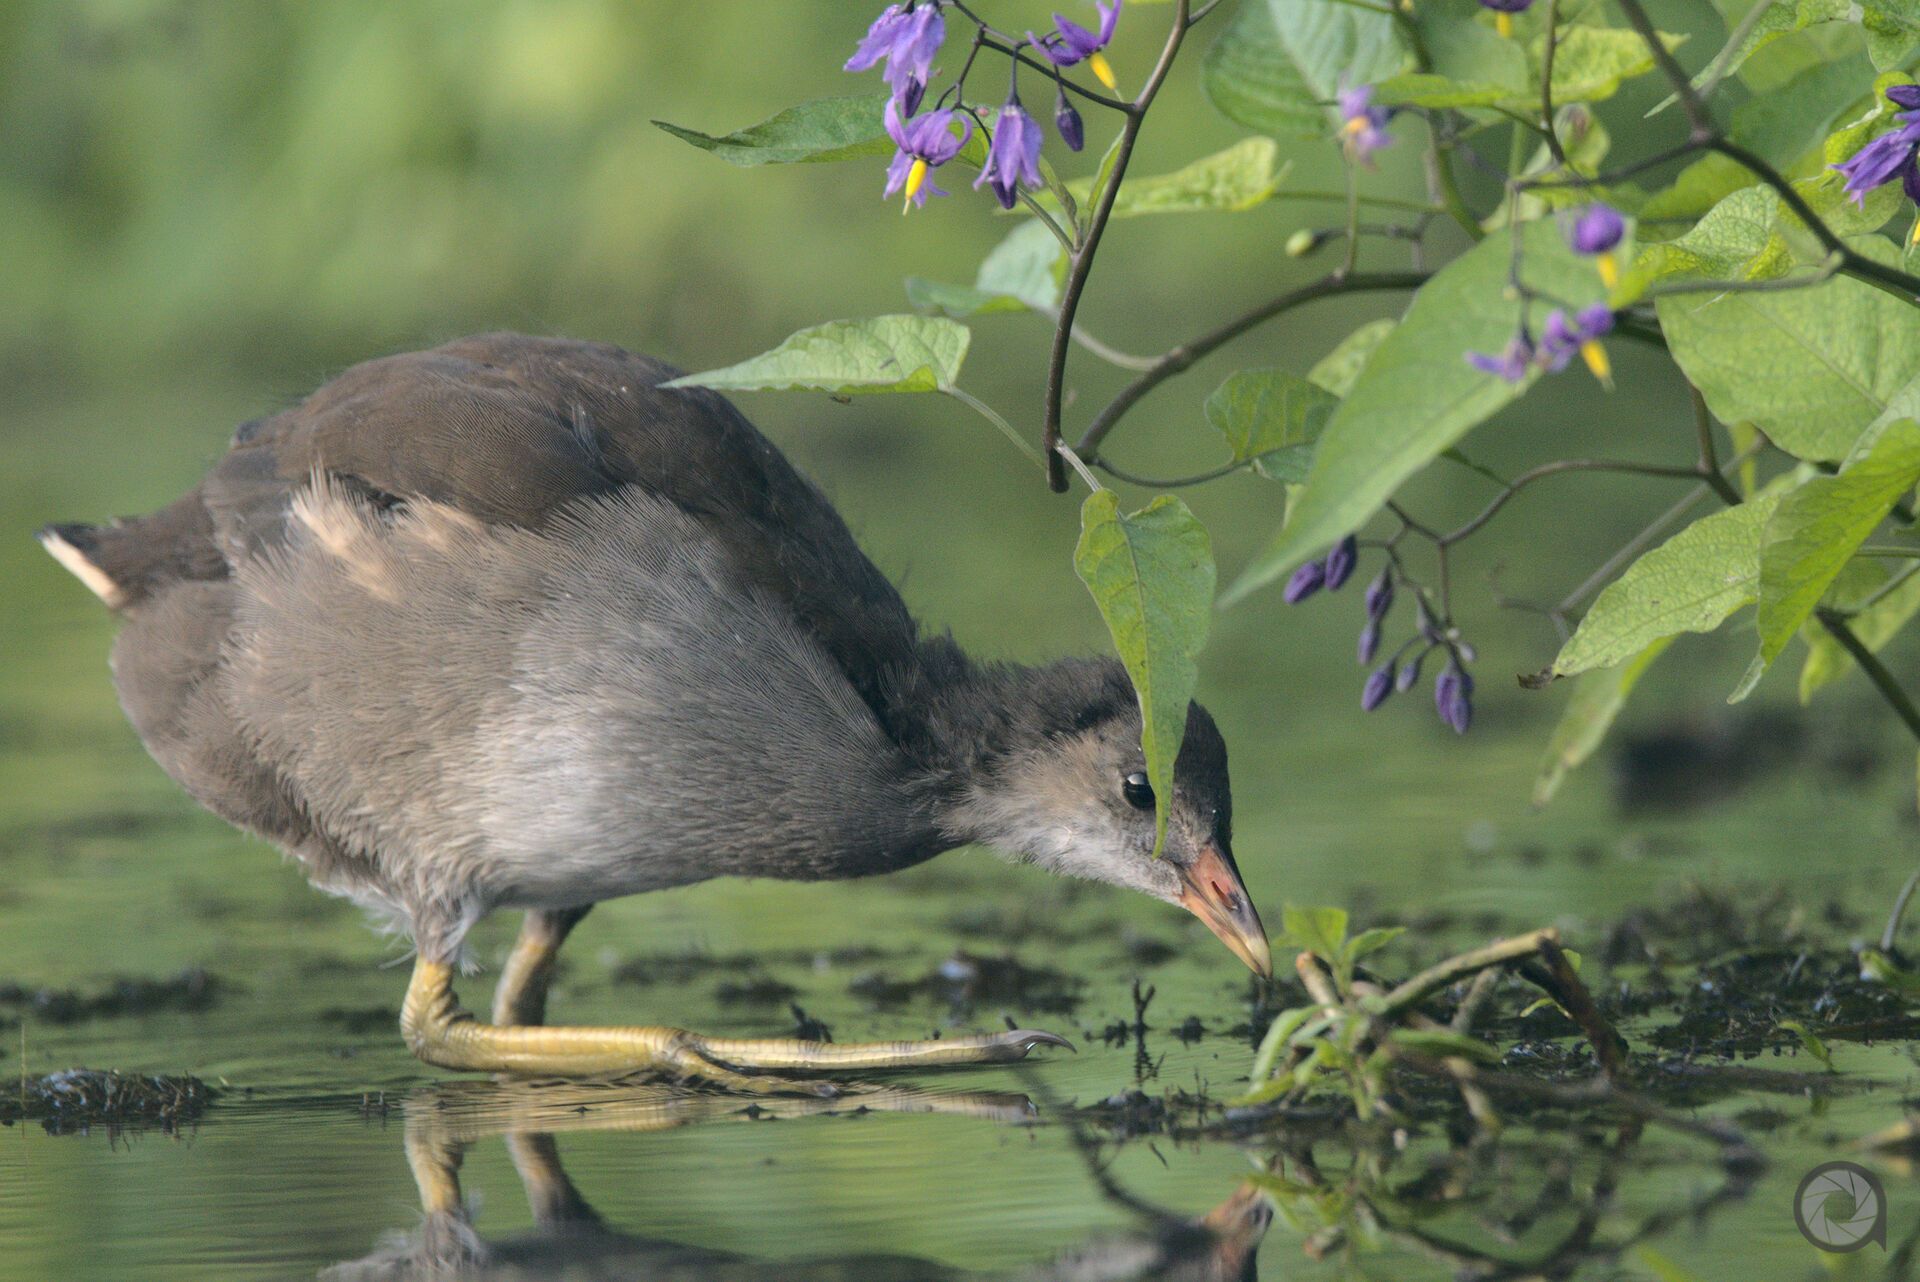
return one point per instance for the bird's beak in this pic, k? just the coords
(1215, 894)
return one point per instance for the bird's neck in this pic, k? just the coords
(961, 724)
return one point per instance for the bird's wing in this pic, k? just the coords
(511, 429)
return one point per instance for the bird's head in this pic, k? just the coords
(1070, 793)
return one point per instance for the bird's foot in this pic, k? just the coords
(441, 1033)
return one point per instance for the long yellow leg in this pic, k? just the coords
(440, 1032)
(521, 995)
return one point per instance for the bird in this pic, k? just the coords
(507, 625)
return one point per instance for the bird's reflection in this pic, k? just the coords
(570, 1240)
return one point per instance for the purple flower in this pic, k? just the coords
(1379, 686)
(1340, 562)
(908, 39)
(925, 143)
(1379, 598)
(1511, 364)
(1891, 155)
(1369, 644)
(1069, 44)
(1595, 229)
(1453, 697)
(1014, 155)
(1306, 581)
(1596, 232)
(1067, 121)
(1560, 339)
(1363, 126)
(1409, 676)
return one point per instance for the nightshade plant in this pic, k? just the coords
(1761, 238)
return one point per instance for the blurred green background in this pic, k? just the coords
(210, 207)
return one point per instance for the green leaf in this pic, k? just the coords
(1424, 89)
(1877, 967)
(1468, 51)
(1783, 127)
(1023, 271)
(1320, 931)
(1734, 241)
(1690, 583)
(1371, 941)
(1278, 67)
(1810, 1043)
(1272, 417)
(823, 130)
(1440, 1043)
(1279, 1033)
(1151, 573)
(1590, 62)
(1028, 265)
(1809, 367)
(1339, 368)
(1417, 396)
(1816, 528)
(1875, 625)
(958, 300)
(1597, 699)
(1230, 181)
(850, 358)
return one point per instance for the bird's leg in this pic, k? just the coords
(521, 995)
(441, 1033)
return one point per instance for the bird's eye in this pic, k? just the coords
(1137, 791)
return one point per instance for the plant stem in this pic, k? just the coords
(1883, 680)
(1454, 969)
(1177, 359)
(992, 416)
(1080, 264)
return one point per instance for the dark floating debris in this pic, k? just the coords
(192, 989)
(966, 980)
(75, 1100)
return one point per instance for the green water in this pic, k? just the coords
(107, 870)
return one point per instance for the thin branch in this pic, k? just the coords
(1554, 148)
(1066, 451)
(1178, 482)
(1555, 468)
(1177, 359)
(1081, 262)
(1111, 355)
(992, 416)
(1883, 680)
(1699, 119)
(1709, 458)
(1001, 42)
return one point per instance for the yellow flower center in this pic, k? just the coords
(1503, 23)
(1596, 358)
(1609, 268)
(1104, 70)
(916, 177)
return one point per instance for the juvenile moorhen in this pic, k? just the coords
(505, 624)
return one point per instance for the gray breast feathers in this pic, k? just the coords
(549, 717)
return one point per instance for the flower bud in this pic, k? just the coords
(1341, 562)
(1302, 243)
(1379, 686)
(1410, 673)
(1379, 596)
(1306, 581)
(1369, 642)
(1065, 119)
(1452, 698)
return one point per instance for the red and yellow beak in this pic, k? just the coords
(1215, 894)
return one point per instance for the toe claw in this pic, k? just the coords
(1028, 1038)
